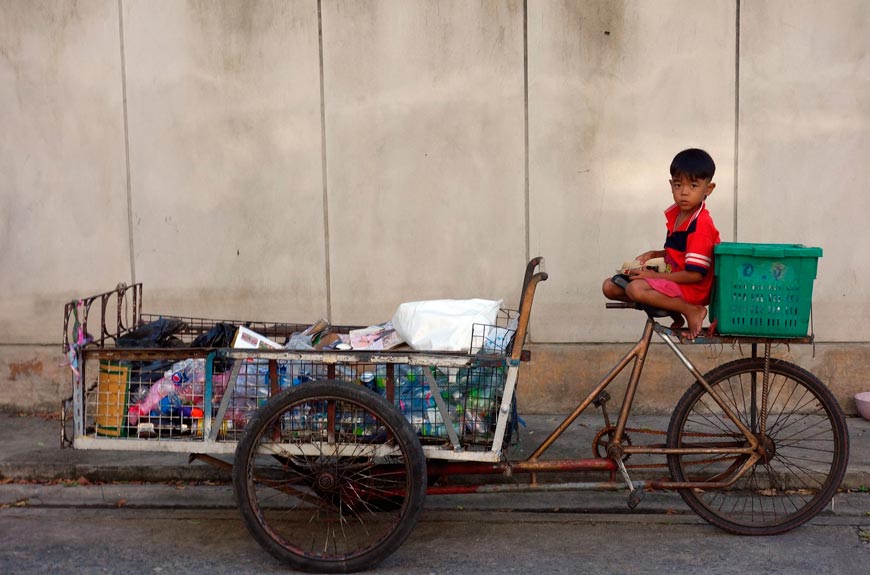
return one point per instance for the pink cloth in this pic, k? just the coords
(667, 287)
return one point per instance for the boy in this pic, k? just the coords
(684, 288)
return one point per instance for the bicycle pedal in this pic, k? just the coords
(635, 497)
(602, 398)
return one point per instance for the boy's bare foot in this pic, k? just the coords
(696, 319)
(678, 321)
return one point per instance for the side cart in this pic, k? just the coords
(329, 447)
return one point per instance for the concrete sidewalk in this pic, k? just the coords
(30, 451)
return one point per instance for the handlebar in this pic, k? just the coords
(530, 281)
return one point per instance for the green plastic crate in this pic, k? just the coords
(763, 290)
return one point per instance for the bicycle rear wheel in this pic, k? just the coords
(805, 440)
(329, 477)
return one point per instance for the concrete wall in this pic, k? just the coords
(615, 90)
(64, 225)
(290, 160)
(804, 142)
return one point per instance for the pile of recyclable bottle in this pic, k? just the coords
(174, 403)
(471, 398)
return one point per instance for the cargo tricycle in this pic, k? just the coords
(332, 452)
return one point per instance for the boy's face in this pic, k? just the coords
(688, 193)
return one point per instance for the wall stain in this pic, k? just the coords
(590, 33)
(24, 369)
(238, 26)
(48, 21)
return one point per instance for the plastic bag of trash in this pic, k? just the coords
(158, 333)
(445, 324)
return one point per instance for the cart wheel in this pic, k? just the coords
(803, 433)
(329, 477)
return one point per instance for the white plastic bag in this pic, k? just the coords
(444, 324)
(497, 339)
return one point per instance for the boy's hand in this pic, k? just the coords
(642, 258)
(643, 273)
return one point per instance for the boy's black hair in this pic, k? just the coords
(693, 163)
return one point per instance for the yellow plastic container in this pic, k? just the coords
(111, 402)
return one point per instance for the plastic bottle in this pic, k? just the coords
(301, 378)
(170, 404)
(189, 378)
(409, 396)
(196, 416)
(151, 402)
(183, 371)
(381, 380)
(282, 375)
(367, 378)
(293, 373)
(252, 384)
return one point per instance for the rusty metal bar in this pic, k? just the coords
(274, 386)
(391, 382)
(640, 346)
(442, 409)
(211, 460)
(641, 350)
(765, 390)
(687, 450)
(527, 277)
(525, 466)
(753, 394)
(67, 312)
(530, 282)
(140, 354)
(706, 338)
(330, 422)
(526, 487)
(119, 295)
(707, 484)
(750, 437)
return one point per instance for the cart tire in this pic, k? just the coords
(319, 509)
(806, 447)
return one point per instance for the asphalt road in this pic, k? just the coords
(49, 536)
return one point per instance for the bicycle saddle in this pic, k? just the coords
(622, 281)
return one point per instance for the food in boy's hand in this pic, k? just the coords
(657, 264)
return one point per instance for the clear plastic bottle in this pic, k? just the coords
(381, 380)
(409, 395)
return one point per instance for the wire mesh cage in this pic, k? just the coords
(495, 339)
(174, 378)
(162, 399)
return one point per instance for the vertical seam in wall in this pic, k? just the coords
(323, 165)
(526, 126)
(126, 142)
(736, 111)
(527, 206)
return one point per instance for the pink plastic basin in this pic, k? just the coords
(862, 401)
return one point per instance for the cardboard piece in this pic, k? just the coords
(249, 339)
(327, 341)
(375, 337)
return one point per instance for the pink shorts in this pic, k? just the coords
(663, 286)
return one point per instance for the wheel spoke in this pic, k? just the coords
(352, 489)
(805, 447)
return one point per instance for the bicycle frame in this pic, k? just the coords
(747, 454)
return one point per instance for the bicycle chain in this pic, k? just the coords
(597, 443)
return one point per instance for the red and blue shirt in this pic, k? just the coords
(690, 248)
